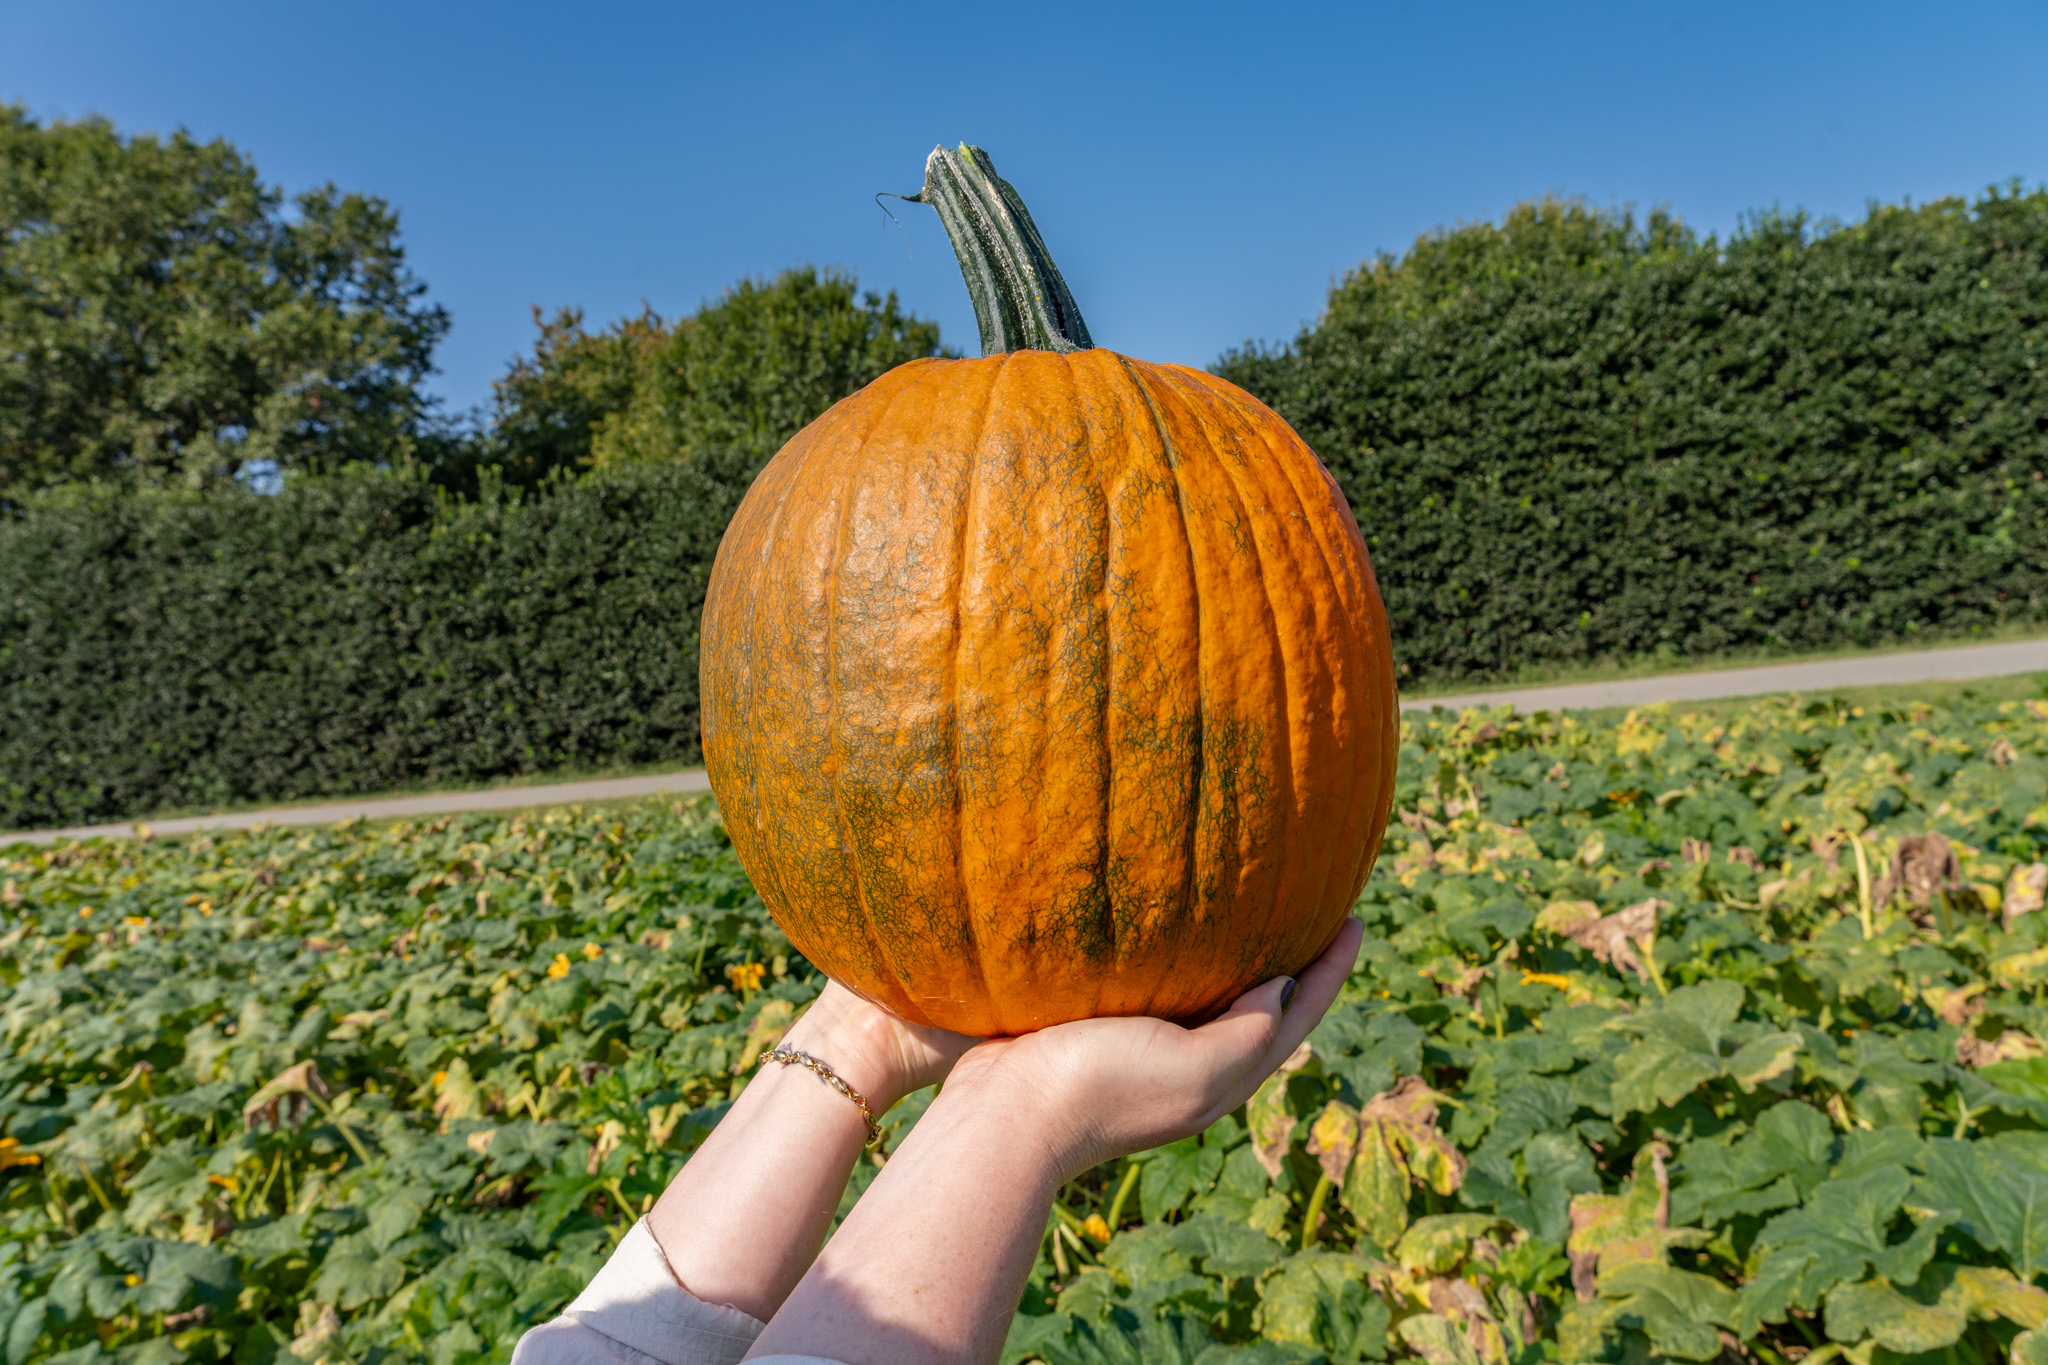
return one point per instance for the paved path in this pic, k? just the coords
(431, 803)
(1867, 670)
(1973, 661)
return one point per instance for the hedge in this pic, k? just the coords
(1567, 437)
(363, 632)
(1571, 436)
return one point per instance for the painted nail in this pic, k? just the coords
(1287, 994)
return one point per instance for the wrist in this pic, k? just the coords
(856, 1043)
(995, 1084)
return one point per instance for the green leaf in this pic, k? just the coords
(1836, 1236)
(1438, 1244)
(1676, 1309)
(1319, 1299)
(1175, 1172)
(1223, 1247)
(1240, 1185)
(1375, 1188)
(1875, 1309)
(2027, 1077)
(1982, 1292)
(1553, 1167)
(1146, 1255)
(354, 1273)
(1992, 1194)
(25, 1329)
(1439, 1341)
(1770, 1168)
(1680, 1045)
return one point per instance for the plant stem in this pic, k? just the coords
(1315, 1211)
(1863, 905)
(94, 1186)
(346, 1131)
(1123, 1193)
(1021, 302)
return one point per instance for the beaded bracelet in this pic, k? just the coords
(789, 1056)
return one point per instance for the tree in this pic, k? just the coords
(735, 380)
(548, 407)
(162, 314)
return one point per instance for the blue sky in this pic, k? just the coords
(1202, 173)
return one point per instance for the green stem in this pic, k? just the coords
(1123, 1194)
(1020, 300)
(1315, 1211)
(346, 1131)
(1864, 909)
(94, 1186)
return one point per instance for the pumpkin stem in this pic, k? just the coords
(1020, 301)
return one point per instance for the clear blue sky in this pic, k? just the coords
(1202, 172)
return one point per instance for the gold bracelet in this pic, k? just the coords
(789, 1056)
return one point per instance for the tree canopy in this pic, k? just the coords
(165, 314)
(736, 379)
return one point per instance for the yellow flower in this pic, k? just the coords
(132, 1280)
(85, 912)
(11, 1155)
(746, 976)
(1546, 979)
(135, 921)
(440, 1078)
(226, 1182)
(592, 951)
(559, 968)
(1097, 1227)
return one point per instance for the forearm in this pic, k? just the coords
(743, 1219)
(930, 1264)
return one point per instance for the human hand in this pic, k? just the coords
(1107, 1087)
(878, 1054)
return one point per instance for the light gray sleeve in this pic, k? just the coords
(633, 1312)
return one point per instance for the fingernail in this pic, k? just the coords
(1287, 994)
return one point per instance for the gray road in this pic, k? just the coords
(1973, 661)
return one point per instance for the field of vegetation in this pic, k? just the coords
(1692, 1035)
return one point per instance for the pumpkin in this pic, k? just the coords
(1049, 684)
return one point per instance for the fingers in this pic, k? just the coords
(1256, 1034)
(1318, 989)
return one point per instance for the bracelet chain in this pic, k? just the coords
(789, 1056)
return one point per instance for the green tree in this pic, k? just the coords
(735, 380)
(162, 314)
(549, 405)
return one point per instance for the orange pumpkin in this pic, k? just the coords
(1051, 684)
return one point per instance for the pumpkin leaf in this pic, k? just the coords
(1438, 1340)
(1835, 1237)
(1439, 1243)
(1874, 1309)
(1375, 1188)
(1998, 1199)
(1676, 1309)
